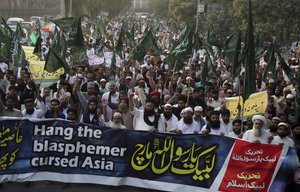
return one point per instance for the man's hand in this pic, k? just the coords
(178, 132)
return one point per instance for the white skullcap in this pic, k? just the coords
(284, 124)
(198, 108)
(117, 114)
(188, 109)
(290, 96)
(276, 118)
(167, 105)
(260, 117)
(102, 80)
(128, 77)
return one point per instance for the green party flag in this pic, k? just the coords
(55, 62)
(249, 83)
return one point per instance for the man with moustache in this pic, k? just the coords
(257, 134)
(91, 116)
(214, 126)
(282, 137)
(273, 125)
(31, 112)
(147, 119)
(225, 120)
(198, 116)
(168, 119)
(127, 116)
(236, 130)
(72, 115)
(187, 124)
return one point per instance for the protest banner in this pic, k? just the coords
(59, 150)
(36, 68)
(37, 72)
(254, 105)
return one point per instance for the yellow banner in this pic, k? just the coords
(29, 53)
(38, 73)
(255, 104)
(37, 68)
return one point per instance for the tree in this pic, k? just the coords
(159, 7)
(94, 7)
(270, 18)
(183, 10)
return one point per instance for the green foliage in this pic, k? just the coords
(183, 10)
(160, 7)
(94, 7)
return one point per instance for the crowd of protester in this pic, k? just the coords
(149, 95)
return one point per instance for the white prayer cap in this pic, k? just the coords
(284, 124)
(289, 96)
(189, 78)
(276, 118)
(198, 108)
(188, 109)
(117, 114)
(102, 80)
(128, 77)
(259, 117)
(167, 105)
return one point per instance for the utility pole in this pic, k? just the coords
(197, 19)
(62, 8)
(70, 8)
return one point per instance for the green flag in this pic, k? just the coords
(249, 82)
(148, 43)
(18, 54)
(38, 46)
(5, 41)
(231, 48)
(72, 26)
(271, 66)
(285, 67)
(208, 69)
(33, 38)
(54, 62)
(182, 49)
(113, 66)
(66, 23)
(121, 39)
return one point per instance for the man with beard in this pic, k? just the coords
(214, 126)
(198, 116)
(257, 134)
(296, 134)
(112, 97)
(91, 116)
(116, 121)
(236, 130)
(290, 109)
(127, 116)
(31, 112)
(187, 124)
(64, 101)
(168, 119)
(54, 111)
(282, 137)
(147, 119)
(273, 125)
